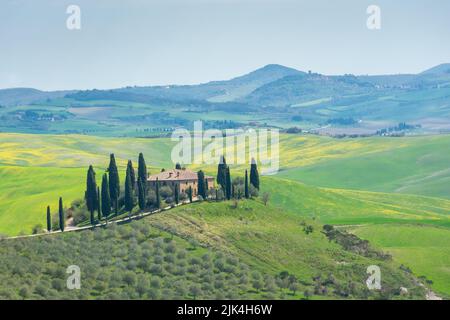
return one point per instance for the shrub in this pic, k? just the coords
(183, 196)
(24, 292)
(166, 191)
(265, 198)
(37, 229)
(257, 284)
(156, 269)
(220, 195)
(181, 254)
(151, 198)
(308, 229)
(129, 278)
(170, 258)
(41, 289)
(195, 291)
(58, 284)
(158, 259)
(254, 193)
(194, 261)
(153, 294)
(155, 282)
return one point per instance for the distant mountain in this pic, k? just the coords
(312, 96)
(17, 96)
(440, 69)
(303, 88)
(266, 74)
(273, 86)
(241, 86)
(391, 80)
(215, 91)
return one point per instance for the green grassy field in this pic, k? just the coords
(337, 206)
(414, 165)
(409, 165)
(25, 193)
(424, 248)
(62, 151)
(393, 162)
(414, 229)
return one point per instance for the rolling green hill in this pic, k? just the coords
(340, 206)
(423, 248)
(414, 165)
(226, 251)
(273, 95)
(414, 229)
(25, 193)
(36, 169)
(58, 163)
(410, 165)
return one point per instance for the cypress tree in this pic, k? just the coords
(49, 220)
(254, 176)
(99, 206)
(114, 183)
(247, 194)
(142, 169)
(130, 170)
(221, 172)
(106, 199)
(228, 183)
(61, 215)
(177, 194)
(158, 196)
(201, 184)
(128, 193)
(141, 194)
(190, 194)
(91, 192)
(91, 218)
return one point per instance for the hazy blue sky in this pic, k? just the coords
(147, 42)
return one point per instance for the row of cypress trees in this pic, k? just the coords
(106, 198)
(110, 190)
(224, 178)
(60, 214)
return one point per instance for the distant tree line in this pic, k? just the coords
(402, 126)
(239, 187)
(342, 121)
(293, 130)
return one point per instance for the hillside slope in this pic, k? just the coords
(17, 96)
(410, 165)
(58, 163)
(273, 240)
(253, 251)
(415, 230)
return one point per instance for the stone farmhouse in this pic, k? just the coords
(184, 178)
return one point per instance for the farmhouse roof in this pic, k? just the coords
(175, 175)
